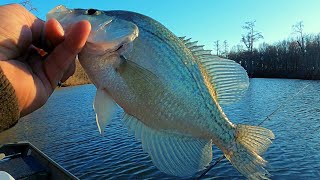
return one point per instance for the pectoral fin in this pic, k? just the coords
(105, 107)
(133, 71)
(139, 79)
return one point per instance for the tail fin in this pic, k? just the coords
(244, 155)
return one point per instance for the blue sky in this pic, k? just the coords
(209, 20)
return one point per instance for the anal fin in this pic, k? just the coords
(172, 153)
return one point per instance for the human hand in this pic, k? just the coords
(34, 77)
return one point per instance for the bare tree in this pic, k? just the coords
(298, 30)
(28, 5)
(251, 36)
(217, 47)
(225, 48)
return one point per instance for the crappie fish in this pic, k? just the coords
(171, 91)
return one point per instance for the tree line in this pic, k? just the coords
(295, 57)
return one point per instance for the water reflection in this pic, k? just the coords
(65, 129)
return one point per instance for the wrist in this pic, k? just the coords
(18, 75)
(9, 106)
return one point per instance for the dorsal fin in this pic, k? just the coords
(185, 41)
(229, 79)
(196, 48)
(202, 53)
(191, 44)
(182, 37)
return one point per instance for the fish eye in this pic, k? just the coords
(92, 12)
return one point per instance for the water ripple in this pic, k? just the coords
(65, 130)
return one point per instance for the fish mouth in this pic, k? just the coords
(114, 36)
(108, 33)
(120, 47)
(59, 12)
(124, 44)
(124, 48)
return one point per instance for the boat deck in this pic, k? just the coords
(24, 161)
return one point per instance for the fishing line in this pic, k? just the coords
(283, 104)
(268, 117)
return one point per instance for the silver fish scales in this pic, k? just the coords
(170, 90)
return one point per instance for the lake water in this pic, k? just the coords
(65, 130)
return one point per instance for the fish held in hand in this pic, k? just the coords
(171, 91)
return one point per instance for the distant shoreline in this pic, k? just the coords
(261, 77)
(252, 67)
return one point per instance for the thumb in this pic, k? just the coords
(60, 59)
